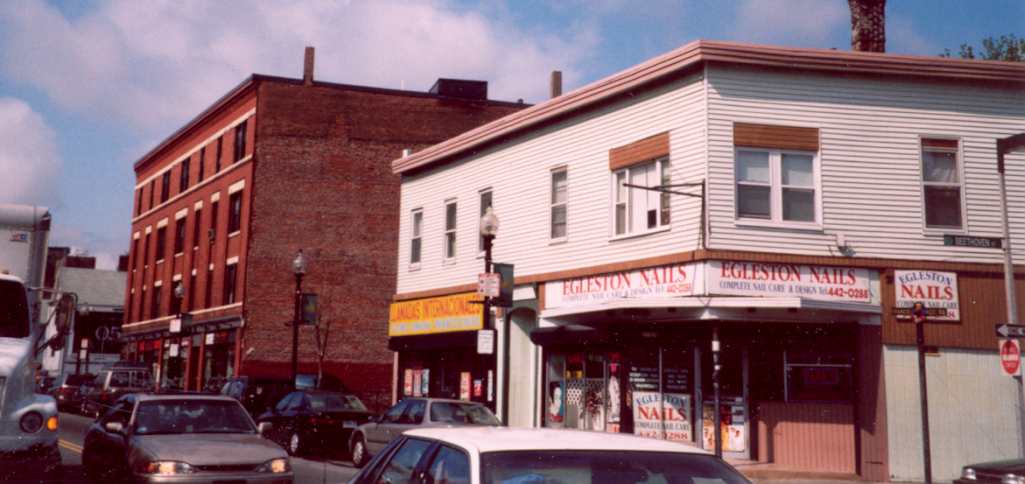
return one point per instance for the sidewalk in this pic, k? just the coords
(765, 473)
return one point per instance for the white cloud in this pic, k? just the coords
(156, 64)
(28, 155)
(805, 23)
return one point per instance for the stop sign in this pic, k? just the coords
(1010, 356)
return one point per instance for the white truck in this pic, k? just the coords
(28, 420)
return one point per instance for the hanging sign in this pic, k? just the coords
(652, 282)
(485, 342)
(823, 283)
(938, 290)
(1010, 357)
(175, 326)
(488, 284)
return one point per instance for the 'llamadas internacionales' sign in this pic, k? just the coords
(935, 289)
(435, 315)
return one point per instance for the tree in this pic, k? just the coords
(1005, 48)
(321, 337)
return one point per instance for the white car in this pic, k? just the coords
(500, 455)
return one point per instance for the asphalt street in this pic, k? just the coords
(312, 470)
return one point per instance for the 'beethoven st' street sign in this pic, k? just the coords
(1010, 330)
(980, 242)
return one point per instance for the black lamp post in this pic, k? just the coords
(488, 230)
(299, 268)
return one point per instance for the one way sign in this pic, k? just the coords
(1010, 330)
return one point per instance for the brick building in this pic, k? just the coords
(223, 205)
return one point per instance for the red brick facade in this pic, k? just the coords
(316, 176)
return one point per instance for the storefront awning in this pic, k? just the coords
(718, 307)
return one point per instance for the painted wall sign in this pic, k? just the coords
(664, 281)
(667, 418)
(825, 283)
(935, 289)
(435, 315)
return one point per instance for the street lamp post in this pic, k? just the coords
(299, 268)
(488, 231)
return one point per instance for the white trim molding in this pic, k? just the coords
(237, 186)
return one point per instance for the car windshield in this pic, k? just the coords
(605, 467)
(462, 413)
(332, 402)
(184, 416)
(14, 321)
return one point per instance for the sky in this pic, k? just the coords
(89, 86)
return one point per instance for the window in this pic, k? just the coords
(207, 298)
(213, 221)
(450, 466)
(230, 271)
(152, 191)
(636, 210)
(196, 217)
(154, 305)
(217, 153)
(818, 376)
(394, 414)
(192, 293)
(416, 242)
(240, 141)
(485, 202)
(414, 412)
(165, 186)
(400, 468)
(138, 203)
(161, 243)
(145, 254)
(235, 212)
(183, 176)
(558, 201)
(179, 236)
(135, 254)
(176, 302)
(777, 186)
(941, 184)
(450, 230)
(202, 163)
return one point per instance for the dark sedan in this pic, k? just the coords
(69, 393)
(1001, 472)
(313, 420)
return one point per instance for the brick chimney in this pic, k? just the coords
(868, 25)
(308, 67)
(556, 84)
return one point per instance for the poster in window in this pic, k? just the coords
(731, 426)
(464, 386)
(478, 388)
(407, 382)
(416, 383)
(425, 381)
(662, 418)
(614, 401)
(555, 392)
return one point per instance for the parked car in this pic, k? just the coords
(119, 379)
(181, 438)
(522, 456)
(313, 420)
(69, 392)
(1001, 472)
(370, 438)
(257, 395)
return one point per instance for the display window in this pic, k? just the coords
(462, 375)
(818, 377)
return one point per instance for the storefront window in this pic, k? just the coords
(219, 359)
(818, 377)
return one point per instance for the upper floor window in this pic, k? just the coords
(145, 254)
(154, 305)
(212, 234)
(202, 164)
(138, 203)
(450, 230)
(165, 186)
(235, 212)
(179, 236)
(637, 210)
(217, 154)
(777, 186)
(135, 256)
(161, 243)
(416, 241)
(558, 203)
(240, 141)
(485, 202)
(152, 191)
(941, 184)
(196, 217)
(230, 280)
(183, 177)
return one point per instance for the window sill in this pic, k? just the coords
(234, 234)
(640, 234)
(558, 241)
(769, 224)
(414, 267)
(449, 262)
(179, 254)
(941, 231)
(158, 261)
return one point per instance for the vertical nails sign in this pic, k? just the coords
(935, 289)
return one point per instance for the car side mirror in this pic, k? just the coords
(263, 428)
(114, 427)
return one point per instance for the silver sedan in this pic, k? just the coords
(181, 439)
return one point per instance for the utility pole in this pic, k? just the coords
(918, 313)
(1004, 146)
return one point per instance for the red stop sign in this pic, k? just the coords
(1010, 356)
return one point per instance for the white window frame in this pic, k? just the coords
(552, 204)
(959, 154)
(480, 205)
(416, 235)
(659, 163)
(776, 190)
(449, 232)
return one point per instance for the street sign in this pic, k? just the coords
(310, 309)
(485, 342)
(929, 312)
(1010, 357)
(489, 284)
(175, 326)
(965, 241)
(1010, 330)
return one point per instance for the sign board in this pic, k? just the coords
(84, 343)
(19, 237)
(458, 312)
(83, 354)
(488, 284)
(823, 283)
(175, 326)
(210, 338)
(937, 290)
(506, 285)
(965, 241)
(172, 351)
(464, 385)
(652, 282)
(310, 309)
(407, 382)
(1011, 330)
(1010, 357)
(485, 342)
(664, 418)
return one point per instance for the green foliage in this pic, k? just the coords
(1005, 48)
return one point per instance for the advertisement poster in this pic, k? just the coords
(668, 419)
(555, 394)
(935, 289)
(416, 383)
(612, 389)
(822, 283)
(731, 426)
(478, 388)
(464, 386)
(425, 382)
(407, 382)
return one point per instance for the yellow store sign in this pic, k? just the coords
(459, 312)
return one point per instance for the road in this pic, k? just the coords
(314, 470)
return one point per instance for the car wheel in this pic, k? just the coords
(359, 452)
(296, 445)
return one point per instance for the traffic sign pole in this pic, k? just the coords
(1007, 145)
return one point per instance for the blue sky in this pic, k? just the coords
(87, 87)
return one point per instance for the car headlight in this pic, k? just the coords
(1013, 479)
(166, 468)
(31, 422)
(276, 466)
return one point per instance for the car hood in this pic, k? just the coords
(208, 449)
(1012, 465)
